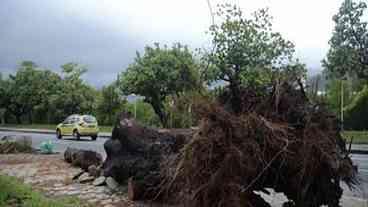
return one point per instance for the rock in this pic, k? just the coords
(111, 183)
(78, 174)
(85, 178)
(72, 193)
(94, 171)
(82, 158)
(99, 181)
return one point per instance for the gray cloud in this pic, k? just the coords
(104, 35)
(43, 33)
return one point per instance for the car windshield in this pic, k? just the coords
(89, 119)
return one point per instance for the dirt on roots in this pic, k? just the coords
(272, 139)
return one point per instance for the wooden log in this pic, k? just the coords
(135, 154)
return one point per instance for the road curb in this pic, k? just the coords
(361, 152)
(44, 131)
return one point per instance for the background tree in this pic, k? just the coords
(110, 104)
(333, 95)
(357, 110)
(44, 111)
(74, 95)
(348, 53)
(144, 113)
(160, 72)
(2, 99)
(24, 90)
(246, 50)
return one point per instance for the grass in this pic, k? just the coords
(105, 128)
(359, 137)
(47, 126)
(14, 193)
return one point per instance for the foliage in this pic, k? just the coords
(144, 113)
(358, 137)
(26, 89)
(14, 193)
(357, 111)
(160, 72)
(348, 53)
(333, 96)
(110, 104)
(181, 108)
(246, 51)
(44, 96)
(74, 96)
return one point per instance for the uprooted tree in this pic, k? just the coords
(247, 52)
(278, 140)
(262, 132)
(136, 153)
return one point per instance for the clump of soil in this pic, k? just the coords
(275, 138)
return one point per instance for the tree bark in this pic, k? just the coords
(235, 96)
(159, 110)
(137, 153)
(18, 119)
(30, 118)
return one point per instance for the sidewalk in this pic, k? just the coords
(46, 131)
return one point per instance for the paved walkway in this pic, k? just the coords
(52, 176)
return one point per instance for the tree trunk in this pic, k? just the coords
(30, 118)
(235, 96)
(136, 154)
(6, 117)
(18, 119)
(159, 110)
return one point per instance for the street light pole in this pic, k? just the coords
(135, 109)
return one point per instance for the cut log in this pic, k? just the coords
(136, 152)
(82, 158)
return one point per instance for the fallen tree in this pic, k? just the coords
(273, 139)
(260, 139)
(136, 153)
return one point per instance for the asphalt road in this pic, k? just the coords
(60, 145)
(87, 143)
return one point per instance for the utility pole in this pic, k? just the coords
(135, 105)
(135, 109)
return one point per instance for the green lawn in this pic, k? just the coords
(359, 137)
(14, 193)
(47, 126)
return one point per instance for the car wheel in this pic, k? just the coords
(94, 137)
(76, 134)
(58, 134)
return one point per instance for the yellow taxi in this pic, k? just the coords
(77, 126)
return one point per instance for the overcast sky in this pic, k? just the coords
(105, 34)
